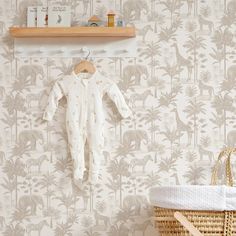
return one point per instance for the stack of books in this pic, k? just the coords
(52, 16)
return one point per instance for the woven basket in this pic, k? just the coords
(207, 223)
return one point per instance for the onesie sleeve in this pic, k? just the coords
(55, 95)
(116, 96)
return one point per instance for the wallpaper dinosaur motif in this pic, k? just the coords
(181, 88)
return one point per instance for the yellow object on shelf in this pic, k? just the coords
(111, 19)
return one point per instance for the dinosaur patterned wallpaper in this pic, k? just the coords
(181, 88)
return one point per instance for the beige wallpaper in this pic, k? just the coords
(181, 88)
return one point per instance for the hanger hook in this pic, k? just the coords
(86, 58)
(86, 49)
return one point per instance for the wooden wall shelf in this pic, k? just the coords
(24, 32)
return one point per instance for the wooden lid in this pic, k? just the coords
(111, 13)
(94, 18)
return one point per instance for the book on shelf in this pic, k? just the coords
(31, 16)
(42, 16)
(59, 16)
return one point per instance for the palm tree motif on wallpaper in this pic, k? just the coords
(9, 185)
(168, 164)
(194, 45)
(64, 68)
(218, 121)
(151, 180)
(66, 200)
(47, 182)
(231, 138)
(113, 185)
(229, 7)
(2, 27)
(15, 104)
(8, 55)
(65, 228)
(2, 92)
(158, 149)
(119, 169)
(172, 6)
(218, 55)
(2, 157)
(53, 214)
(141, 227)
(171, 135)
(190, 4)
(195, 174)
(223, 104)
(151, 116)
(172, 71)
(182, 127)
(193, 110)
(119, 229)
(168, 33)
(133, 9)
(36, 227)
(12, 229)
(2, 221)
(168, 99)
(14, 169)
(223, 39)
(88, 4)
(150, 51)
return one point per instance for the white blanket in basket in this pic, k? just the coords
(194, 197)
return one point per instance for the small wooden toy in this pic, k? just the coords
(94, 21)
(111, 19)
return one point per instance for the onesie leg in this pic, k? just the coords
(96, 145)
(76, 140)
(78, 160)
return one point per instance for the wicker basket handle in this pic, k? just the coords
(229, 177)
(187, 224)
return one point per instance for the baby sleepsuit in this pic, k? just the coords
(84, 116)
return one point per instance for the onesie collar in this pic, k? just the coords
(84, 81)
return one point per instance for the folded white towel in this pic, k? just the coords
(194, 197)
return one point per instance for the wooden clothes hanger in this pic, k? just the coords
(85, 66)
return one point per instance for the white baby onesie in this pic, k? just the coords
(84, 116)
